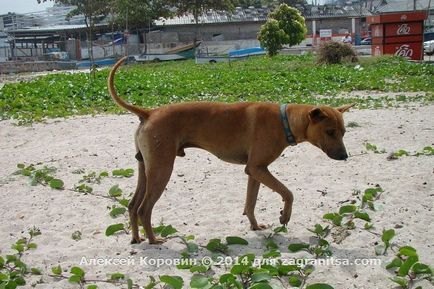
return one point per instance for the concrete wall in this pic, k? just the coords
(222, 37)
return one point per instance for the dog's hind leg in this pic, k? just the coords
(135, 202)
(249, 208)
(158, 173)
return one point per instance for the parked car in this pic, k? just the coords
(428, 47)
(366, 41)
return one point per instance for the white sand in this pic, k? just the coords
(205, 196)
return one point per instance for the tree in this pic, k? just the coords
(92, 10)
(288, 20)
(199, 7)
(139, 13)
(272, 37)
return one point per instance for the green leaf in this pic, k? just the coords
(3, 277)
(295, 281)
(420, 268)
(117, 276)
(281, 229)
(387, 236)
(92, 287)
(175, 282)
(32, 246)
(168, 230)
(117, 211)
(285, 269)
(396, 262)
(298, 247)
(227, 278)
(115, 191)
(113, 229)
(347, 209)
(362, 215)
(77, 271)
(401, 281)
(405, 267)
(124, 202)
(56, 184)
(407, 251)
(260, 277)
(36, 271)
(319, 286)
(74, 279)
(261, 286)
(192, 247)
(199, 281)
(18, 247)
(11, 285)
(272, 254)
(216, 245)
(21, 166)
(198, 268)
(2, 262)
(233, 240)
(56, 270)
(237, 269)
(130, 284)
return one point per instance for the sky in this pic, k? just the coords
(22, 6)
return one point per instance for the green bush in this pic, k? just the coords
(332, 52)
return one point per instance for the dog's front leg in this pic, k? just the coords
(249, 208)
(262, 174)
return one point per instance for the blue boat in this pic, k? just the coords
(247, 52)
(98, 62)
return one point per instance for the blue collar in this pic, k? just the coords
(288, 133)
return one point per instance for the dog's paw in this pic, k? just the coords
(157, 241)
(259, 227)
(284, 219)
(137, 240)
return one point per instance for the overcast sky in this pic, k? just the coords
(22, 6)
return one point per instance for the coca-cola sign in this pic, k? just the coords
(403, 29)
(405, 51)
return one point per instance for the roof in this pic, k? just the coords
(211, 16)
(49, 29)
(403, 5)
(252, 14)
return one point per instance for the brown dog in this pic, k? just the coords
(252, 134)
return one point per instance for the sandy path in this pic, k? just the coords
(205, 196)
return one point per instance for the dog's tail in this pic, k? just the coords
(140, 112)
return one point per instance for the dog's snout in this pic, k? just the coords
(341, 156)
(344, 156)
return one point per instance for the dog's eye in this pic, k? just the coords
(330, 132)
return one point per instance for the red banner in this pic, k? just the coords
(411, 50)
(405, 28)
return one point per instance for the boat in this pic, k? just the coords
(96, 62)
(231, 56)
(177, 53)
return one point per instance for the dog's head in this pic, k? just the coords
(326, 130)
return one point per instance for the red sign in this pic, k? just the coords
(405, 28)
(411, 50)
(397, 17)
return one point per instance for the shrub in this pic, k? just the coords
(285, 26)
(332, 52)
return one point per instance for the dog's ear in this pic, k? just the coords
(344, 108)
(317, 114)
